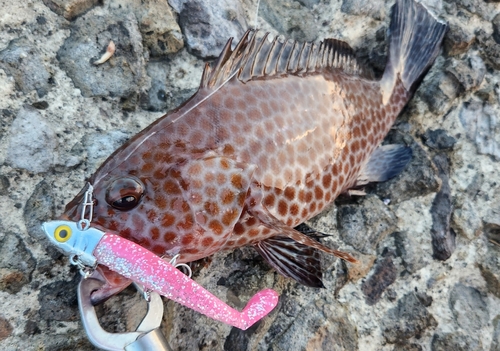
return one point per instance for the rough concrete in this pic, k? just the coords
(400, 297)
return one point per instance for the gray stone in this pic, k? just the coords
(491, 279)
(160, 32)
(458, 39)
(409, 319)
(32, 142)
(124, 73)
(100, 145)
(490, 48)
(163, 95)
(476, 7)
(407, 347)
(492, 232)
(23, 62)
(156, 97)
(419, 178)
(410, 251)
(288, 19)
(70, 9)
(480, 123)
(469, 72)
(56, 303)
(38, 209)
(440, 91)
(17, 264)
(4, 185)
(364, 226)
(438, 139)
(374, 8)
(495, 343)
(332, 331)
(197, 19)
(6, 328)
(384, 274)
(496, 28)
(40, 105)
(469, 308)
(466, 221)
(443, 237)
(309, 3)
(455, 341)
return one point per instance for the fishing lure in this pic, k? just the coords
(90, 246)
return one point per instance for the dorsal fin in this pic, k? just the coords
(254, 58)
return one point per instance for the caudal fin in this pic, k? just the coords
(415, 39)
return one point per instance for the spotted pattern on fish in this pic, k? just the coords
(275, 133)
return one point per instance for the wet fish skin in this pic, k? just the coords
(270, 139)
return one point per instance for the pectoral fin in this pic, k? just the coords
(293, 260)
(386, 162)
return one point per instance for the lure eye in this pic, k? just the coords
(124, 193)
(62, 233)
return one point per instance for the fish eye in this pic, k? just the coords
(62, 233)
(124, 193)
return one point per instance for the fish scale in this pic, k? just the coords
(276, 131)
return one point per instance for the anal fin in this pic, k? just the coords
(292, 259)
(386, 162)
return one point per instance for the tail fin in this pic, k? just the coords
(415, 38)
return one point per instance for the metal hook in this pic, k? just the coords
(147, 336)
(174, 263)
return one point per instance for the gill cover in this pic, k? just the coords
(72, 241)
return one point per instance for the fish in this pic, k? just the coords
(275, 133)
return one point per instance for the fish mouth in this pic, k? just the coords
(112, 284)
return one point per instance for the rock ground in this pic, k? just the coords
(428, 240)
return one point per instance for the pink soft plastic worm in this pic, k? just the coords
(142, 266)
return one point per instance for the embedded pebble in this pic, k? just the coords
(457, 341)
(409, 319)
(32, 142)
(480, 122)
(469, 308)
(22, 60)
(443, 237)
(124, 74)
(70, 9)
(17, 265)
(363, 8)
(470, 73)
(438, 139)
(5, 328)
(373, 219)
(384, 275)
(458, 39)
(196, 17)
(289, 19)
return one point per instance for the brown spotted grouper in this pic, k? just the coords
(276, 131)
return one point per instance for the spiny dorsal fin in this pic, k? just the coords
(255, 58)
